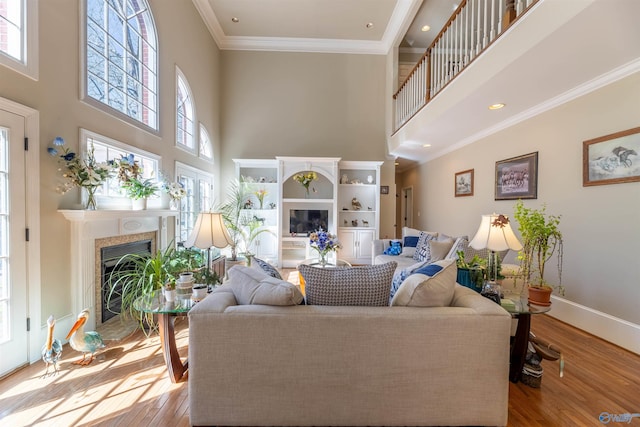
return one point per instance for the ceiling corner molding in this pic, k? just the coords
(283, 44)
(400, 20)
(210, 20)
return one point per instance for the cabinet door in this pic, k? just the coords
(267, 247)
(365, 245)
(348, 241)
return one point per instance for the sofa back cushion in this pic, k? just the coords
(422, 248)
(433, 289)
(253, 286)
(364, 286)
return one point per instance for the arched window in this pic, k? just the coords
(185, 114)
(19, 36)
(206, 148)
(121, 59)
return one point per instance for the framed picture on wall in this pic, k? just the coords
(384, 189)
(517, 177)
(611, 159)
(464, 183)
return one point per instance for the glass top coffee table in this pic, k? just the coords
(521, 310)
(155, 303)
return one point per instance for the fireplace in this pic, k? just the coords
(109, 257)
(93, 230)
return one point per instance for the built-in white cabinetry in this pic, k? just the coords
(358, 209)
(259, 178)
(344, 200)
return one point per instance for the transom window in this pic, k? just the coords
(19, 36)
(206, 148)
(185, 114)
(122, 59)
(105, 149)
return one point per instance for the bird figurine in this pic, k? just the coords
(85, 342)
(52, 349)
(355, 204)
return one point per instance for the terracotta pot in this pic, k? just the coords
(540, 295)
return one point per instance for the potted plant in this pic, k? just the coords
(135, 275)
(140, 189)
(541, 238)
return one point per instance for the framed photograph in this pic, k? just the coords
(464, 183)
(384, 189)
(611, 159)
(517, 177)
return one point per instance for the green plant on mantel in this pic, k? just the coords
(140, 188)
(541, 238)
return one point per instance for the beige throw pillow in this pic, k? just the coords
(253, 286)
(420, 290)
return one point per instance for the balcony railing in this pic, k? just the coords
(471, 29)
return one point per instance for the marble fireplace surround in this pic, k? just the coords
(92, 230)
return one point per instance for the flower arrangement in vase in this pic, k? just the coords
(130, 176)
(305, 179)
(176, 192)
(324, 243)
(260, 194)
(84, 173)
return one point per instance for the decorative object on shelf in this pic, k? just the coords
(611, 159)
(248, 204)
(495, 234)
(517, 178)
(344, 179)
(370, 179)
(260, 195)
(305, 179)
(262, 179)
(541, 237)
(324, 243)
(365, 223)
(384, 189)
(176, 192)
(346, 223)
(354, 222)
(272, 205)
(87, 174)
(464, 183)
(355, 204)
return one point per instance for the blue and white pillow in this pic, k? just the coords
(409, 244)
(267, 268)
(423, 248)
(394, 249)
(400, 276)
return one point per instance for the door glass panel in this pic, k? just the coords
(4, 236)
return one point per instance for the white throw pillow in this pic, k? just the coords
(253, 286)
(420, 290)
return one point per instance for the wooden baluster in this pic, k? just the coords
(509, 14)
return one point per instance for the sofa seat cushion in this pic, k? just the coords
(253, 286)
(401, 260)
(359, 286)
(423, 290)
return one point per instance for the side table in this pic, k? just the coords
(521, 311)
(167, 312)
(315, 262)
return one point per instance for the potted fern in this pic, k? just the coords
(541, 239)
(139, 190)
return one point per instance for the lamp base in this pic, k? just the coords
(491, 290)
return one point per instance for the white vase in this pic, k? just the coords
(170, 295)
(139, 204)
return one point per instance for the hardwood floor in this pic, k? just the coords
(127, 385)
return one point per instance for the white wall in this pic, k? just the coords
(600, 224)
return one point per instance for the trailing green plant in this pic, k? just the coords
(541, 237)
(140, 188)
(206, 276)
(135, 275)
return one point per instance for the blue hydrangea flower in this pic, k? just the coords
(52, 151)
(58, 141)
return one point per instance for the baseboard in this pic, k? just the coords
(617, 331)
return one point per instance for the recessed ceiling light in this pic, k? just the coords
(425, 28)
(426, 145)
(235, 20)
(369, 24)
(496, 106)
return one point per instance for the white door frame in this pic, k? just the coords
(32, 220)
(406, 209)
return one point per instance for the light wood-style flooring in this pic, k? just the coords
(127, 385)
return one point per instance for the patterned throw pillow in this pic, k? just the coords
(422, 248)
(409, 245)
(436, 290)
(401, 275)
(363, 286)
(460, 244)
(267, 268)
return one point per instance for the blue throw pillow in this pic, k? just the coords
(267, 268)
(411, 241)
(428, 270)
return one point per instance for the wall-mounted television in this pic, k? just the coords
(305, 221)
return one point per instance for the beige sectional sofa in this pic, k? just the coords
(314, 365)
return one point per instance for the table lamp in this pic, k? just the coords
(208, 231)
(495, 234)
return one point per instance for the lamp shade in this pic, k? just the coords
(209, 231)
(495, 234)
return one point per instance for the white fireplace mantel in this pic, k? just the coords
(86, 227)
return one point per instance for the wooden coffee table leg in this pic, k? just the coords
(519, 348)
(177, 370)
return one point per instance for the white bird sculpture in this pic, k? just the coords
(52, 349)
(85, 342)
